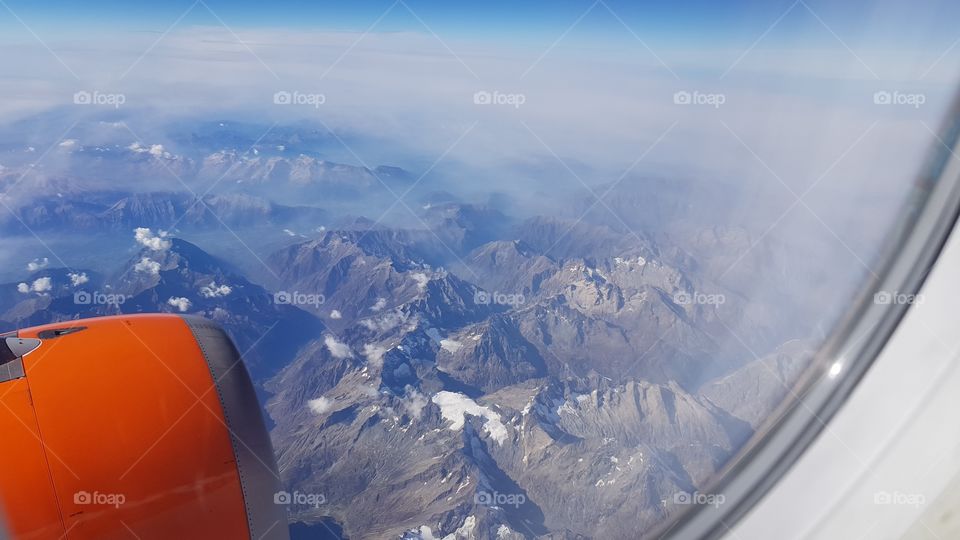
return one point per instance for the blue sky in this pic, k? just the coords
(683, 23)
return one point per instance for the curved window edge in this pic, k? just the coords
(913, 247)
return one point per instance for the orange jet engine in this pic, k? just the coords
(134, 426)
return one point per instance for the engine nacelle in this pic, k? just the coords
(141, 426)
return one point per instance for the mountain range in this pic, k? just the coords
(473, 373)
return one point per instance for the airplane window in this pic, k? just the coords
(592, 269)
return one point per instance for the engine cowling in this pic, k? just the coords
(133, 426)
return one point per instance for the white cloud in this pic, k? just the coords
(37, 264)
(179, 302)
(215, 291)
(320, 405)
(386, 322)
(148, 266)
(796, 101)
(414, 402)
(421, 279)
(381, 303)
(336, 348)
(155, 150)
(374, 353)
(146, 238)
(78, 279)
(42, 285)
(455, 407)
(335, 314)
(68, 143)
(441, 95)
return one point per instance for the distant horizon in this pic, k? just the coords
(685, 24)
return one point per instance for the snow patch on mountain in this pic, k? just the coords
(424, 532)
(450, 345)
(454, 407)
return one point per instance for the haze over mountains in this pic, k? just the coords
(470, 371)
(498, 271)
